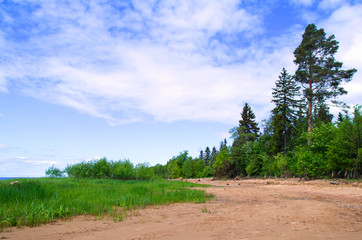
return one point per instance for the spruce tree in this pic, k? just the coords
(214, 153)
(247, 132)
(285, 111)
(318, 72)
(248, 128)
(207, 156)
(201, 156)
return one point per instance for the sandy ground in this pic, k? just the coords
(242, 209)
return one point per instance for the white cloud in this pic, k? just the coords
(163, 61)
(165, 67)
(330, 4)
(303, 2)
(38, 162)
(3, 146)
(345, 24)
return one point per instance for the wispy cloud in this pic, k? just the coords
(92, 159)
(144, 60)
(331, 4)
(303, 2)
(3, 146)
(345, 24)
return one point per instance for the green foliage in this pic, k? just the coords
(186, 169)
(143, 171)
(343, 151)
(311, 164)
(160, 171)
(174, 170)
(122, 170)
(197, 168)
(32, 202)
(54, 172)
(280, 164)
(223, 165)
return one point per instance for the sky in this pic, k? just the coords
(147, 79)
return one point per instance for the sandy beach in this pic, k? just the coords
(241, 209)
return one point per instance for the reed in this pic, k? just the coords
(32, 202)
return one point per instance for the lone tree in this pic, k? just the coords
(248, 127)
(247, 132)
(318, 71)
(285, 111)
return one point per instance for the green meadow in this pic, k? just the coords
(32, 202)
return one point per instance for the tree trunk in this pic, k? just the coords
(285, 137)
(310, 99)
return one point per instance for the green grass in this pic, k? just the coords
(37, 201)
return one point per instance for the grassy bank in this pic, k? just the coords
(32, 202)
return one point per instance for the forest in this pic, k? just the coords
(299, 139)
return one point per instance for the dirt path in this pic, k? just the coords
(244, 209)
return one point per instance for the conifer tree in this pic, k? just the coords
(248, 128)
(201, 156)
(285, 111)
(318, 72)
(207, 156)
(247, 132)
(213, 156)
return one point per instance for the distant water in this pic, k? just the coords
(6, 178)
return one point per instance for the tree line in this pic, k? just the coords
(299, 138)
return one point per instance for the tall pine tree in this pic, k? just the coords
(318, 71)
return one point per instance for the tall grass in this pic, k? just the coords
(32, 202)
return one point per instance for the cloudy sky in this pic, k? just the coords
(147, 79)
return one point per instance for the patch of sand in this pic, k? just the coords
(242, 209)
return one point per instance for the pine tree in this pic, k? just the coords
(214, 153)
(284, 113)
(318, 71)
(207, 156)
(201, 155)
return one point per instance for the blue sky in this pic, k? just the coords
(145, 80)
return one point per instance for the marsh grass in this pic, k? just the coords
(32, 202)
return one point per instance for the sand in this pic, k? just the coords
(242, 209)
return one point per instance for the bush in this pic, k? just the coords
(123, 170)
(144, 172)
(54, 172)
